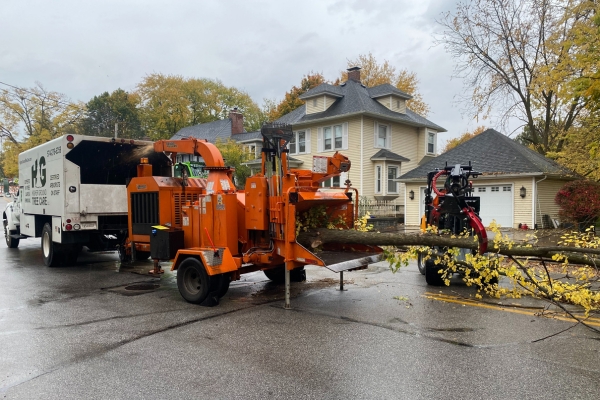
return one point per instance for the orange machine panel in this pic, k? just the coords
(225, 221)
(256, 203)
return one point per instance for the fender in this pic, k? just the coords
(10, 218)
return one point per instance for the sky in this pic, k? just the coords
(83, 48)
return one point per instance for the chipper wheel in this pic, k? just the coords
(192, 281)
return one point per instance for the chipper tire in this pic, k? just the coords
(193, 282)
(277, 274)
(432, 277)
(421, 264)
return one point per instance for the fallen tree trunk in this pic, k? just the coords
(317, 237)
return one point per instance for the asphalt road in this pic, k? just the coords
(87, 331)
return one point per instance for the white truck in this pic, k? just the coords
(73, 193)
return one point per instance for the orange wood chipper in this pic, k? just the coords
(213, 232)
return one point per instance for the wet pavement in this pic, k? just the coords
(101, 330)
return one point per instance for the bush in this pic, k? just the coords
(579, 201)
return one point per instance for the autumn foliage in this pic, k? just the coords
(579, 201)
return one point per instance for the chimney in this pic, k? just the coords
(354, 74)
(237, 121)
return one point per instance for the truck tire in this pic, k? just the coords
(432, 277)
(192, 281)
(277, 274)
(12, 243)
(50, 252)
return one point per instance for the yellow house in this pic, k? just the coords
(371, 126)
(517, 185)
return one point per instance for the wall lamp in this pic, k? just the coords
(411, 195)
(523, 192)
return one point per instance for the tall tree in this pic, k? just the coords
(291, 100)
(170, 102)
(106, 110)
(32, 116)
(502, 51)
(374, 73)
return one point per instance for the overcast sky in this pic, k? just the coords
(83, 48)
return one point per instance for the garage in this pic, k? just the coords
(496, 203)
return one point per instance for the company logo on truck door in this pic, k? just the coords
(38, 173)
(38, 180)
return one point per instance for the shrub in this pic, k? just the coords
(579, 201)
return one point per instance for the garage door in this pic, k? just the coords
(496, 204)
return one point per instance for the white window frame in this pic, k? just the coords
(396, 175)
(321, 138)
(388, 136)
(296, 142)
(378, 179)
(334, 181)
(433, 135)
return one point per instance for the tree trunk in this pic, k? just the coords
(315, 238)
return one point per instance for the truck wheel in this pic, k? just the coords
(421, 264)
(192, 281)
(10, 242)
(223, 284)
(277, 274)
(432, 277)
(52, 256)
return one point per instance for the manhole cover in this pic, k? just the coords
(142, 286)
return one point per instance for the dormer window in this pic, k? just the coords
(314, 102)
(430, 142)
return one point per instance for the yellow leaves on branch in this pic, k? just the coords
(558, 282)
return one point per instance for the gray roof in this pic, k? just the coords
(212, 131)
(385, 90)
(356, 100)
(324, 88)
(384, 154)
(493, 153)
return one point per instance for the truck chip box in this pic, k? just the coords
(73, 193)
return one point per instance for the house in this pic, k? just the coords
(230, 128)
(517, 184)
(371, 126)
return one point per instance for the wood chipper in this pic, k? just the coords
(225, 232)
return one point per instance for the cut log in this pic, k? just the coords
(315, 238)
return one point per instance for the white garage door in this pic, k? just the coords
(496, 204)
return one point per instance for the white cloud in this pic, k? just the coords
(83, 48)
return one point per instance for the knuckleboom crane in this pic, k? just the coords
(213, 232)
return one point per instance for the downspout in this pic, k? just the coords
(537, 197)
(361, 155)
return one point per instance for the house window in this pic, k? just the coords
(314, 102)
(251, 151)
(392, 185)
(378, 179)
(332, 137)
(431, 143)
(331, 182)
(298, 144)
(382, 138)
